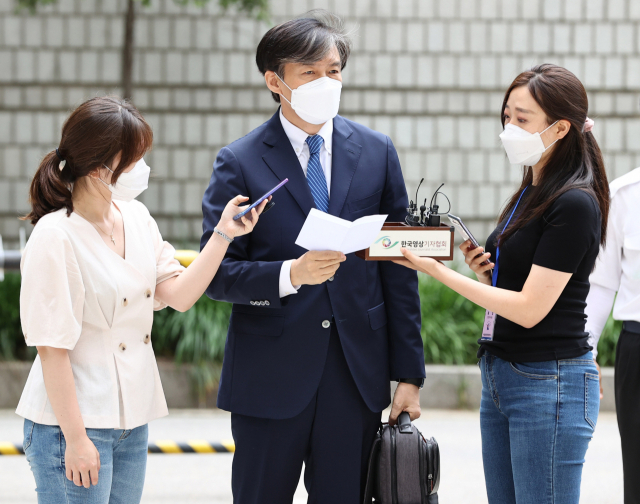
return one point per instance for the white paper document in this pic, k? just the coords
(322, 231)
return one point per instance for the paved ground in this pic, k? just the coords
(201, 479)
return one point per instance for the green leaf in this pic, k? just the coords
(451, 326)
(608, 342)
(31, 5)
(12, 344)
(196, 337)
(259, 7)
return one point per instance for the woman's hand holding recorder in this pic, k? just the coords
(478, 260)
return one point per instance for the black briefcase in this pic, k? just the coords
(404, 467)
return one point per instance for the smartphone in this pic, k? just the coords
(260, 200)
(457, 223)
(462, 229)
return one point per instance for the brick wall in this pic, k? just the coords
(430, 73)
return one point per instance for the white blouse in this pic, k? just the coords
(79, 294)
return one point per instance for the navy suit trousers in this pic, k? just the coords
(332, 436)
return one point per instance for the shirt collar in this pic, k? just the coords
(298, 138)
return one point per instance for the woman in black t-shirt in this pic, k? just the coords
(540, 396)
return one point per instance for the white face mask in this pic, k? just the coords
(522, 147)
(317, 101)
(130, 184)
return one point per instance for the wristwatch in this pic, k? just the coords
(418, 382)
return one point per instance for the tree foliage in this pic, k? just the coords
(260, 8)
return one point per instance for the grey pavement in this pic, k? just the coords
(201, 479)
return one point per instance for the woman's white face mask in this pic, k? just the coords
(522, 147)
(315, 102)
(130, 184)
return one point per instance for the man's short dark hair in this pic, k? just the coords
(307, 39)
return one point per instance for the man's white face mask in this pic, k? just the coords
(315, 102)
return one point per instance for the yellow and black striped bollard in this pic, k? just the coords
(196, 446)
(11, 449)
(164, 447)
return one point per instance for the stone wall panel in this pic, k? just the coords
(429, 73)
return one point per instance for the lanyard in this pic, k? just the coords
(494, 276)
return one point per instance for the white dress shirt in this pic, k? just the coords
(80, 295)
(298, 139)
(618, 265)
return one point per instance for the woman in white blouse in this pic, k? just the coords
(93, 271)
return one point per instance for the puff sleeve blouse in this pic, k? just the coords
(79, 295)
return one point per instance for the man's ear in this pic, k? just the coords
(272, 81)
(562, 128)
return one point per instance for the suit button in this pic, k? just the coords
(326, 324)
(331, 279)
(267, 303)
(147, 293)
(125, 302)
(123, 347)
(147, 338)
(263, 303)
(252, 303)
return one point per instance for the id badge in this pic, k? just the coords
(489, 326)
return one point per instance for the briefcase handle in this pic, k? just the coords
(404, 423)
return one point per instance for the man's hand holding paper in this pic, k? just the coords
(322, 231)
(328, 239)
(315, 267)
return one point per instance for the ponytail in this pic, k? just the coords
(600, 184)
(49, 191)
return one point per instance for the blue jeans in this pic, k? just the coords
(123, 460)
(537, 419)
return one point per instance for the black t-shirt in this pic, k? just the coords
(566, 238)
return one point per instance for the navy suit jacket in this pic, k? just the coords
(275, 354)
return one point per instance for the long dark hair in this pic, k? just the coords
(92, 136)
(575, 162)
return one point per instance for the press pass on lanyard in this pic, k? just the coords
(490, 317)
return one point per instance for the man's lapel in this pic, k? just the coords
(282, 161)
(345, 156)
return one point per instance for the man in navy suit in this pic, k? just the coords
(315, 337)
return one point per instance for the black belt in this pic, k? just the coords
(631, 326)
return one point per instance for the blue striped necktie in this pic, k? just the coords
(315, 176)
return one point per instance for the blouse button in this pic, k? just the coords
(123, 347)
(147, 338)
(125, 302)
(147, 293)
